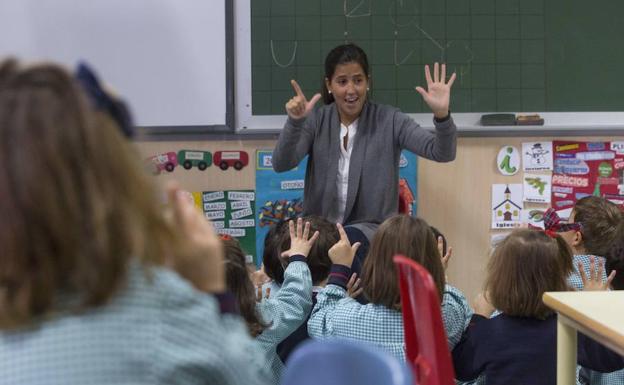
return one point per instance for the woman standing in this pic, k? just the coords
(354, 144)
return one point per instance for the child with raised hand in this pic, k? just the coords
(319, 264)
(380, 322)
(590, 232)
(283, 313)
(519, 345)
(96, 285)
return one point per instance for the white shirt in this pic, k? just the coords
(342, 180)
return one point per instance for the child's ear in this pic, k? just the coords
(577, 240)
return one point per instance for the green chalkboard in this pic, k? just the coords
(509, 55)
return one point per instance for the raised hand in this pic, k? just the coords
(594, 281)
(299, 107)
(353, 286)
(445, 257)
(299, 242)
(342, 252)
(438, 93)
(201, 259)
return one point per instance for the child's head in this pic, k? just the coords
(318, 258)
(75, 203)
(400, 234)
(615, 258)
(272, 249)
(522, 267)
(238, 282)
(599, 219)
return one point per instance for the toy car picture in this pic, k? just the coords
(226, 159)
(191, 158)
(167, 161)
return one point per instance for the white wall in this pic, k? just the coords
(166, 57)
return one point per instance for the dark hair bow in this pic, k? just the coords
(102, 100)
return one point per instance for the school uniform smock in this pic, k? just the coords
(373, 177)
(285, 312)
(521, 351)
(338, 315)
(574, 280)
(157, 329)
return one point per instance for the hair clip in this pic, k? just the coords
(103, 101)
(225, 237)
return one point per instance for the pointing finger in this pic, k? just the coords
(343, 234)
(297, 88)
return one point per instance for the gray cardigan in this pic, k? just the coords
(383, 131)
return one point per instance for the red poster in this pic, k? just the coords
(586, 168)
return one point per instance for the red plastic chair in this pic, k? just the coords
(425, 338)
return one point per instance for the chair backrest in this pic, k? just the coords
(343, 362)
(425, 339)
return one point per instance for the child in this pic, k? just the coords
(614, 263)
(380, 322)
(596, 221)
(319, 264)
(287, 310)
(519, 345)
(271, 261)
(88, 291)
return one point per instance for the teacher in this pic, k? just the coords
(354, 145)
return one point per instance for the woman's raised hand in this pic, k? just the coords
(299, 107)
(438, 93)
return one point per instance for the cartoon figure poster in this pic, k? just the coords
(536, 188)
(280, 195)
(586, 168)
(537, 156)
(506, 205)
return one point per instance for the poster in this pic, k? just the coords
(506, 206)
(508, 160)
(537, 156)
(536, 188)
(586, 168)
(232, 213)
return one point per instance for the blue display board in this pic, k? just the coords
(280, 195)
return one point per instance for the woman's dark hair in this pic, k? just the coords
(239, 283)
(342, 54)
(271, 255)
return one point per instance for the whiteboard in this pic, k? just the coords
(167, 58)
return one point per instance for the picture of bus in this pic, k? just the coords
(236, 159)
(167, 161)
(190, 158)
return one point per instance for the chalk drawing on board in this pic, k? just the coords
(352, 12)
(398, 62)
(292, 58)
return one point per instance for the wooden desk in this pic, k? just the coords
(597, 314)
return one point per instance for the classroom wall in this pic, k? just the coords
(454, 197)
